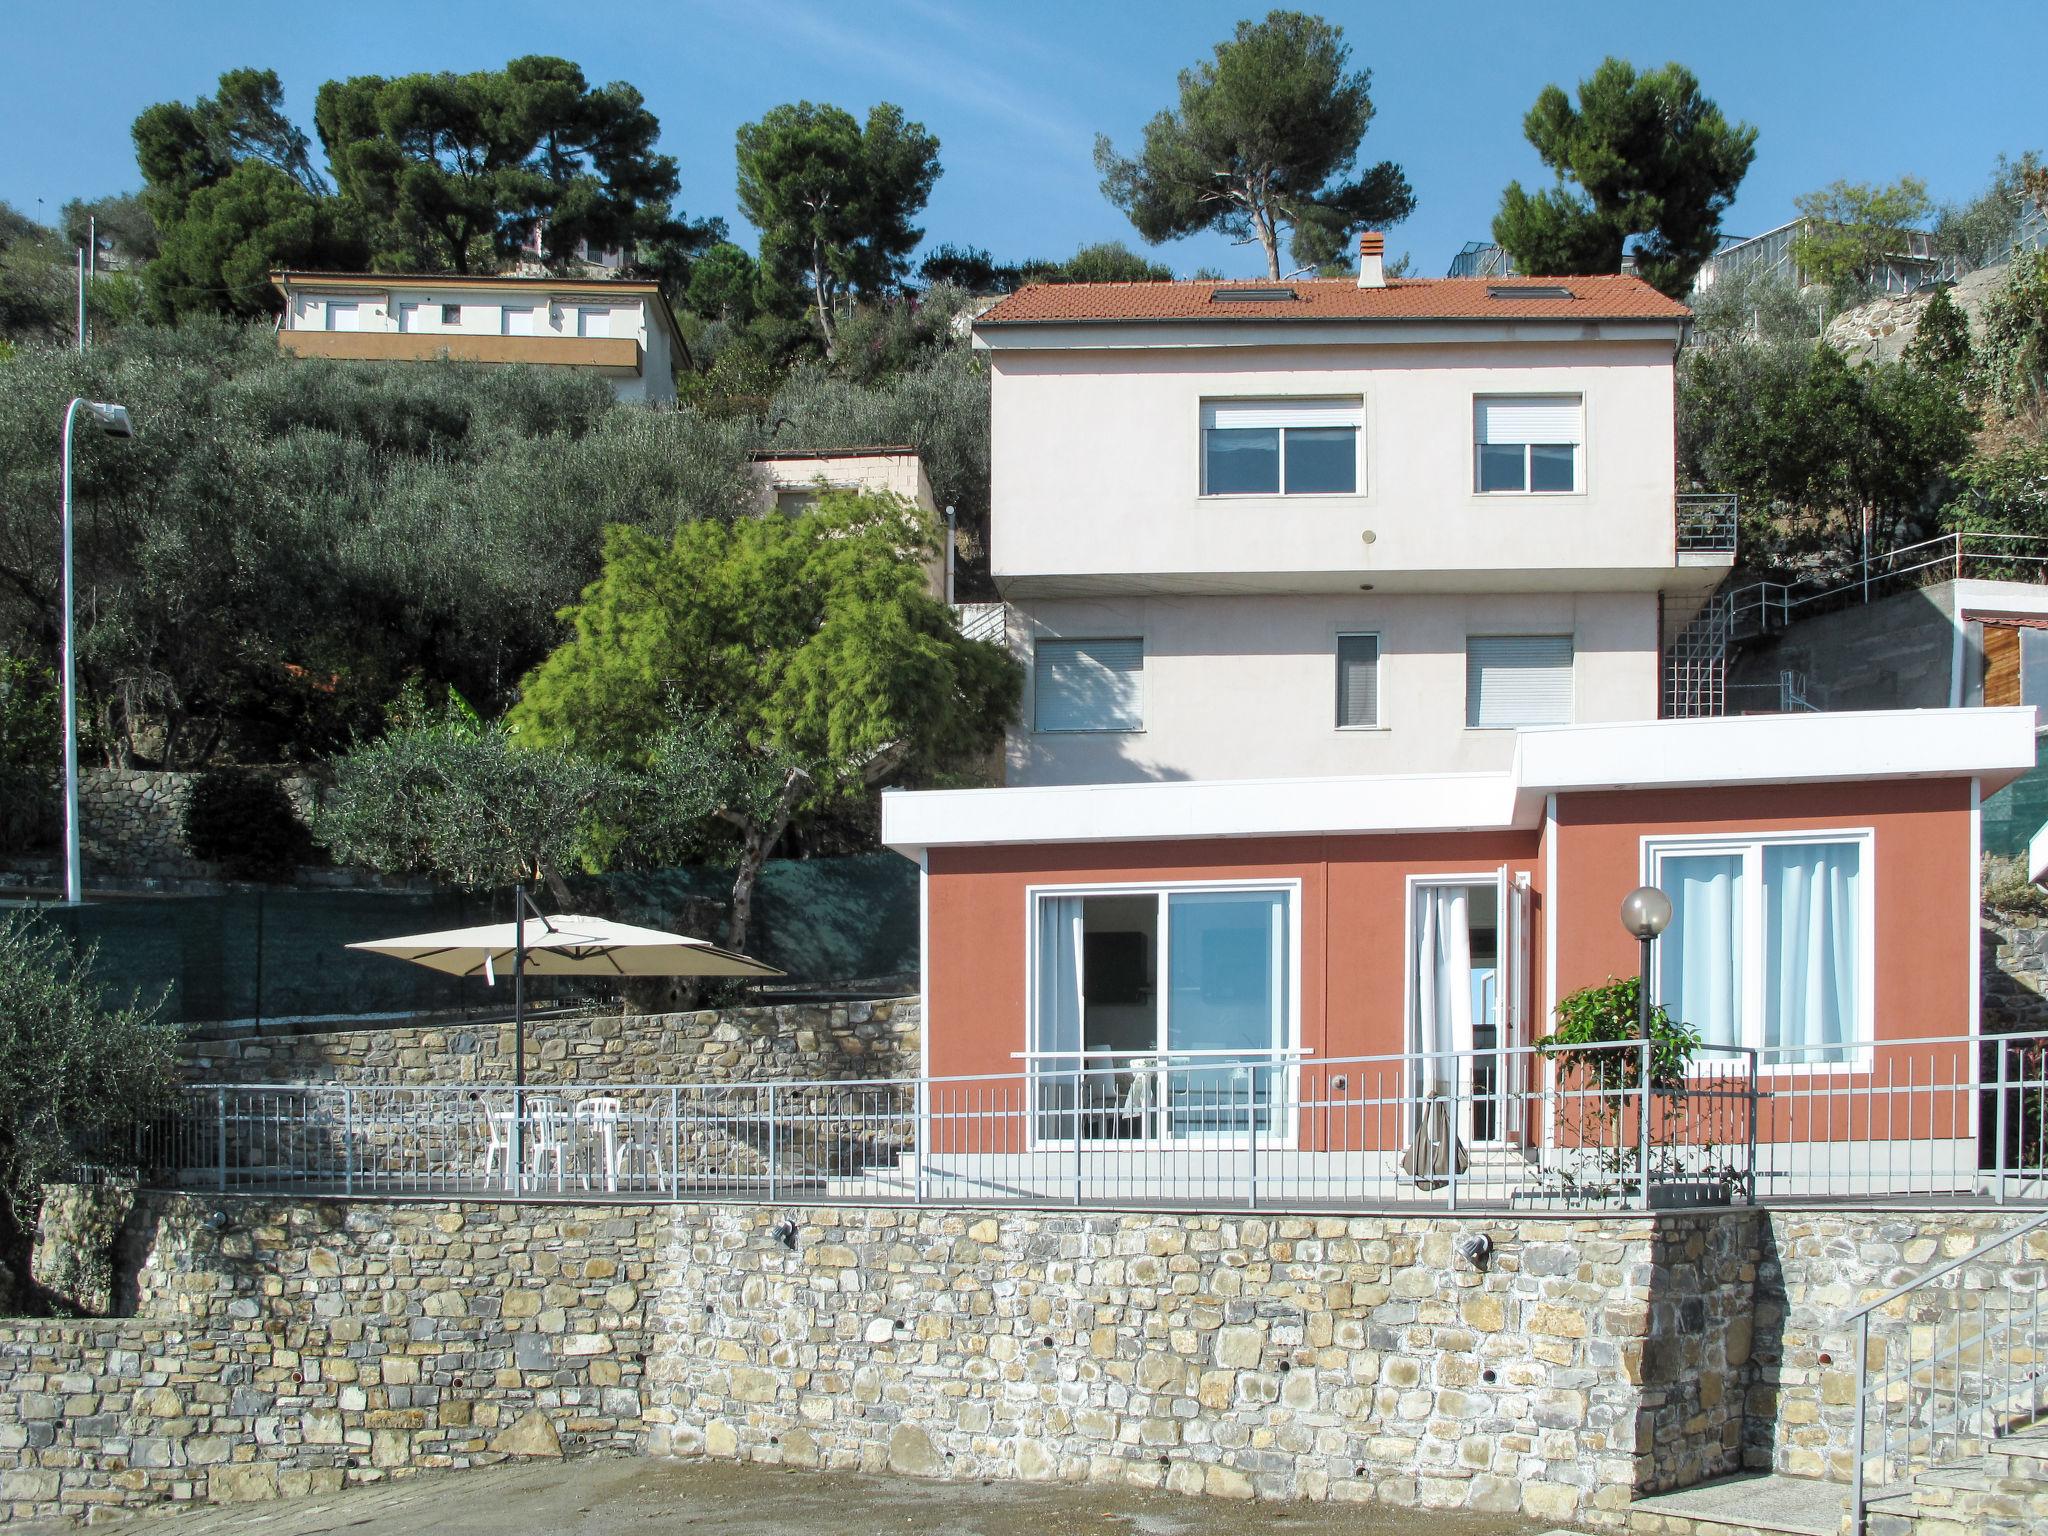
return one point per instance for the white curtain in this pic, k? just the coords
(1812, 925)
(1058, 1028)
(1443, 981)
(1699, 958)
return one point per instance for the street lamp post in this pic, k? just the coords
(113, 420)
(1645, 912)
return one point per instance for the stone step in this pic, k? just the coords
(1747, 1504)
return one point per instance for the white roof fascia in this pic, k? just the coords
(1993, 745)
(1120, 335)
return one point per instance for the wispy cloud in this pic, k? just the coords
(932, 67)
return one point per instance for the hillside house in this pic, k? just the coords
(623, 331)
(1344, 606)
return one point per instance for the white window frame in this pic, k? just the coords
(1288, 1050)
(1578, 485)
(1144, 701)
(1858, 1051)
(536, 318)
(330, 307)
(451, 314)
(1571, 702)
(584, 312)
(1278, 408)
(1379, 694)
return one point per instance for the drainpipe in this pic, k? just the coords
(949, 556)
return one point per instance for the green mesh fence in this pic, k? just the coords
(281, 954)
(2016, 812)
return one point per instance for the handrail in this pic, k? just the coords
(1947, 1267)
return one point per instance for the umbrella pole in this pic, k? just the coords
(518, 1033)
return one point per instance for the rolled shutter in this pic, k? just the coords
(1513, 680)
(1281, 413)
(1089, 685)
(1358, 680)
(1530, 419)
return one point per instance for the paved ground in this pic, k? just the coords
(615, 1496)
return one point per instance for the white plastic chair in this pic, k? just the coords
(599, 1119)
(498, 1127)
(547, 1139)
(1136, 1109)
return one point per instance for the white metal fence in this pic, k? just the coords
(1607, 1127)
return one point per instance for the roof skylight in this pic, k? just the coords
(1252, 295)
(1527, 291)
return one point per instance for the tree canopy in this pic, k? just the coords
(1645, 164)
(1849, 229)
(1265, 138)
(453, 173)
(834, 199)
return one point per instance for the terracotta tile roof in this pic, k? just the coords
(1339, 298)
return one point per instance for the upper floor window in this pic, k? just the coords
(1280, 447)
(344, 316)
(451, 314)
(593, 322)
(1358, 682)
(1513, 680)
(1527, 443)
(1088, 685)
(519, 320)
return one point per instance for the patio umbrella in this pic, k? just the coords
(1434, 1150)
(562, 945)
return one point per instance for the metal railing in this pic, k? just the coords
(1516, 1127)
(983, 621)
(1707, 521)
(1949, 1362)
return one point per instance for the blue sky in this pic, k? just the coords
(1017, 91)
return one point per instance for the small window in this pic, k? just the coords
(1358, 682)
(1517, 680)
(451, 314)
(1280, 447)
(1088, 685)
(1527, 444)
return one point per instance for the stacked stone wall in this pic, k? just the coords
(794, 1041)
(131, 821)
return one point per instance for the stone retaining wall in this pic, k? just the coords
(1585, 1361)
(131, 821)
(791, 1041)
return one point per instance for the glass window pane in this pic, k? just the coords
(1241, 461)
(1322, 461)
(1227, 957)
(1501, 467)
(1699, 957)
(1553, 466)
(2034, 667)
(1358, 680)
(1812, 944)
(1089, 685)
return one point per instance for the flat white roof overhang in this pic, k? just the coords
(1993, 746)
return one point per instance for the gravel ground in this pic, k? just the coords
(614, 1496)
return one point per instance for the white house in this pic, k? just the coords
(622, 330)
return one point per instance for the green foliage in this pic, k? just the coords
(833, 200)
(1655, 165)
(37, 280)
(1941, 342)
(1757, 306)
(725, 285)
(2007, 891)
(246, 822)
(2003, 492)
(2012, 348)
(285, 540)
(1265, 138)
(1107, 261)
(1811, 441)
(75, 1076)
(972, 270)
(1593, 1020)
(1851, 228)
(217, 255)
(451, 172)
(814, 635)
(181, 148)
(122, 218)
(30, 749)
(1969, 233)
(459, 799)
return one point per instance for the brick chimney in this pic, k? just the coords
(1372, 259)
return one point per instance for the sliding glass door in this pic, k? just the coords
(1161, 1014)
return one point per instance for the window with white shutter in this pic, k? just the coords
(1513, 680)
(1088, 685)
(1358, 681)
(1527, 444)
(1280, 447)
(343, 315)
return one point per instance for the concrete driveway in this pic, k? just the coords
(614, 1496)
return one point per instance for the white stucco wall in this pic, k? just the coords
(1245, 687)
(1097, 470)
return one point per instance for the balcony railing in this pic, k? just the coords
(1706, 522)
(1942, 1116)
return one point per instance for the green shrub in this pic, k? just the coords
(2008, 891)
(1606, 1014)
(246, 823)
